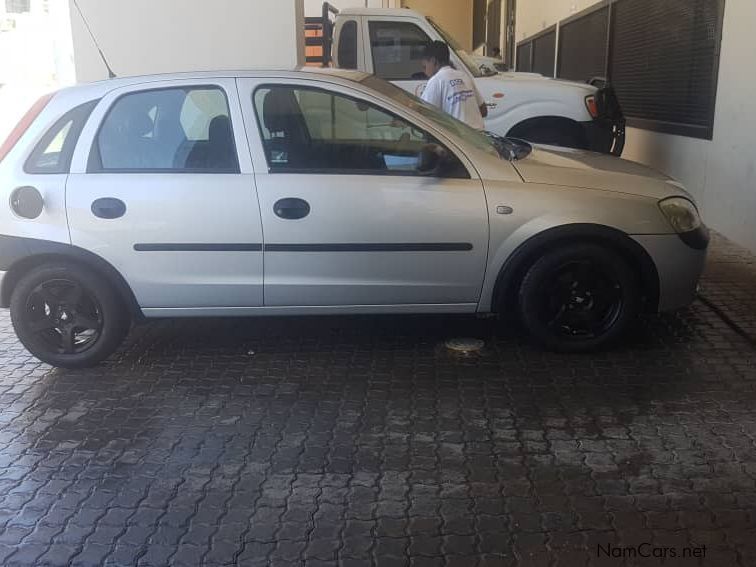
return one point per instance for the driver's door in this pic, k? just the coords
(347, 219)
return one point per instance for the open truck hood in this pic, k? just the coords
(550, 165)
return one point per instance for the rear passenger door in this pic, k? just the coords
(162, 187)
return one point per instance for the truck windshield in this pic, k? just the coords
(467, 61)
(494, 145)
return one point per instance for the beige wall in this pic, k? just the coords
(721, 173)
(148, 36)
(36, 57)
(455, 16)
(536, 15)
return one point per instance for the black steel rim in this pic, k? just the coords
(64, 316)
(580, 300)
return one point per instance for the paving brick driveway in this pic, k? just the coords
(361, 441)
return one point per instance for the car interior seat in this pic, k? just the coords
(290, 139)
(218, 152)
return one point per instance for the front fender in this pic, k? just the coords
(517, 100)
(509, 260)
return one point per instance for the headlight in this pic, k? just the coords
(681, 214)
(592, 105)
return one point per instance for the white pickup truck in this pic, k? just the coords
(389, 43)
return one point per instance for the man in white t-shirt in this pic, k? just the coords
(451, 90)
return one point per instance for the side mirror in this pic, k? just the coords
(433, 160)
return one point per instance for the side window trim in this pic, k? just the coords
(94, 160)
(338, 171)
(78, 117)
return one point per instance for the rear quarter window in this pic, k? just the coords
(53, 153)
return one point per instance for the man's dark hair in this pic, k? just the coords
(439, 51)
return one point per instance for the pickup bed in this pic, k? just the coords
(389, 43)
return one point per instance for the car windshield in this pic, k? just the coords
(467, 60)
(506, 148)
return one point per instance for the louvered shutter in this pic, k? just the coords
(663, 62)
(582, 46)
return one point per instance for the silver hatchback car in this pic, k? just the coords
(319, 192)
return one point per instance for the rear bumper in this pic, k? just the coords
(679, 266)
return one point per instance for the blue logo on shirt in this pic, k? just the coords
(460, 97)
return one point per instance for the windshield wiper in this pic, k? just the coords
(511, 149)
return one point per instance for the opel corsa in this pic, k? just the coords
(319, 192)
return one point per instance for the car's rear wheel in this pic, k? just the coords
(67, 315)
(579, 298)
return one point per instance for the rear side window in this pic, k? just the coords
(167, 130)
(53, 153)
(348, 45)
(398, 50)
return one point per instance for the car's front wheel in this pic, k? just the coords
(579, 298)
(67, 315)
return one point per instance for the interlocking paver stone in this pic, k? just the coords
(361, 441)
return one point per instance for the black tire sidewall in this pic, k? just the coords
(116, 320)
(529, 298)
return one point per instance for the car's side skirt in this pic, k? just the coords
(443, 308)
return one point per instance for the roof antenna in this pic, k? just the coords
(111, 74)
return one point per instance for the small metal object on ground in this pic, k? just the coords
(465, 345)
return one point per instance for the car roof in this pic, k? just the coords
(100, 88)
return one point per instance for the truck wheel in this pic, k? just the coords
(579, 298)
(68, 316)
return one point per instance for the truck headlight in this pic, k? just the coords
(681, 213)
(592, 105)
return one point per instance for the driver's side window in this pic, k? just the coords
(314, 130)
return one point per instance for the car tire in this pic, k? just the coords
(579, 298)
(68, 316)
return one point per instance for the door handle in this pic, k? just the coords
(108, 208)
(291, 208)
